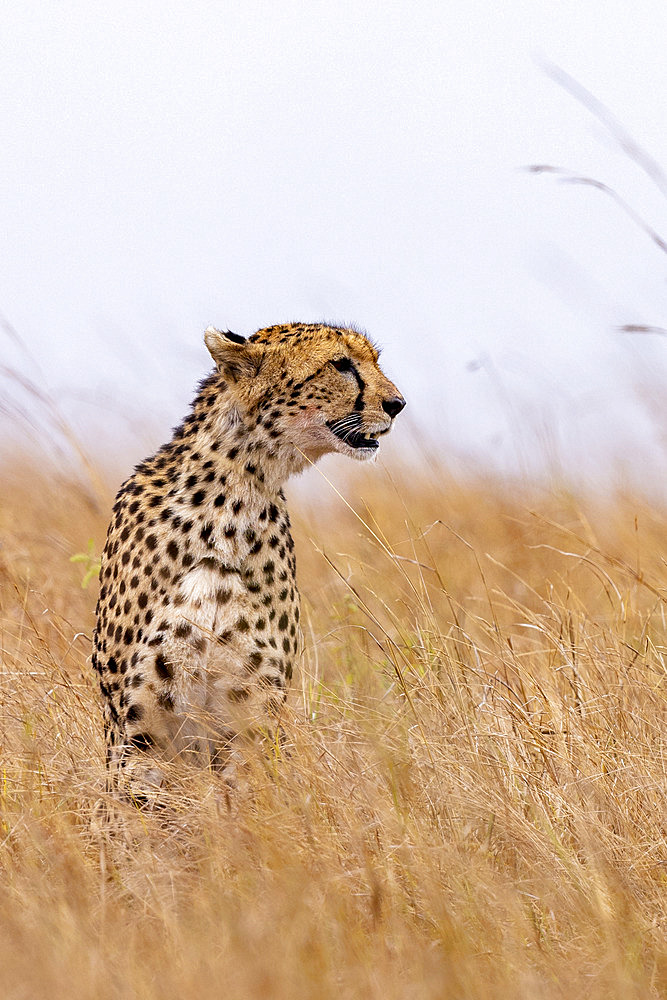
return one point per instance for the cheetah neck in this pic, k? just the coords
(219, 442)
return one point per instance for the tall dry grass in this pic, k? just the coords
(472, 802)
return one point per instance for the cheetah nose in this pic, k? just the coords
(393, 406)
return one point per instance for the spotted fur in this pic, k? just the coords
(198, 613)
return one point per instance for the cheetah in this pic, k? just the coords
(198, 613)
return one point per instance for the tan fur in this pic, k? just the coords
(198, 615)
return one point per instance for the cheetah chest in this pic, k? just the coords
(249, 611)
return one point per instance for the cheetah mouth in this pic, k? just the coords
(352, 436)
(359, 440)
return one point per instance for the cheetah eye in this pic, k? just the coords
(343, 365)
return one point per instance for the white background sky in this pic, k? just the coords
(164, 166)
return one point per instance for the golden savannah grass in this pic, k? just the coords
(471, 801)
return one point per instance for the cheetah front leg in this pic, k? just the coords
(247, 681)
(206, 681)
(165, 693)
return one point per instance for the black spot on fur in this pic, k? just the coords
(164, 670)
(135, 713)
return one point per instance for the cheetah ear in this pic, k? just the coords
(235, 357)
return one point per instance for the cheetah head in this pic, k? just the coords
(314, 388)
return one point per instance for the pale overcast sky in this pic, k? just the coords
(165, 166)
